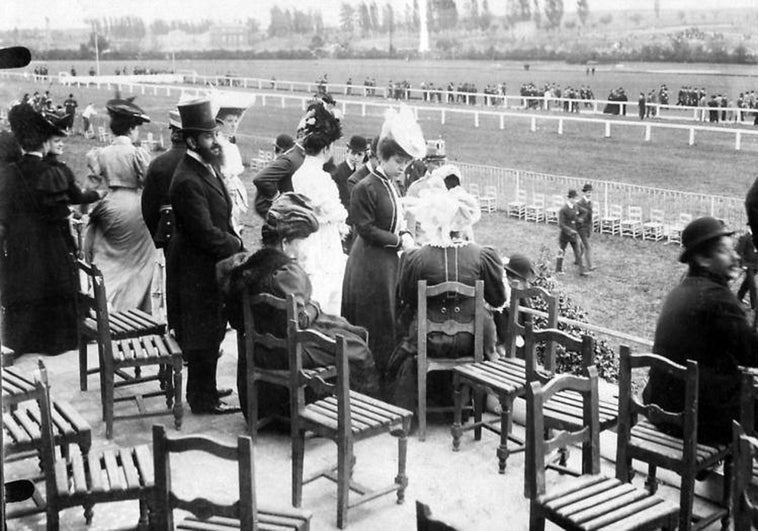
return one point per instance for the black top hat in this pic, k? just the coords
(227, 110)
(521, 266)
(587, 188)
(197, 115)
(127, 107)
(357, 143)
(700, 231)
(25, 120)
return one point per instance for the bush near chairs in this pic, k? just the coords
(591, 501)
(345, 417)
(638, 438)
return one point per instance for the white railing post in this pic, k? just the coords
(738, 140)
(143, 89)
(533, 126)
(442, 116)
(692, 136)
(363, 109)
(502, 121)
(155, 90)
(302, 104)
(607, 129)
(560, 126)
(263, 100)
(344, 108)
(594, 106)
(168, 91)
(648, 132)
(476, 119)
(283, 103)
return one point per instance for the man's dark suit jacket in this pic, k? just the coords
(204, 235)
(157, 182)
(340, 177)
(276, 178)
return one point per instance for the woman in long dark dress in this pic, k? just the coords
(37, 271)
(276, 269)
(368, 293)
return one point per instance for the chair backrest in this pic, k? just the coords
(657, 215)
(615, 211)
(538, 446)
(557, 201)
(684, 219)
(473, 189)
(584, 346)
(521, 195)
(539, 200)
(745, 451)
(630, 407)
(47, 442)
(165, 498)
(490, 191)
(300, 380)
(515, 329)
(635, 213)
(748, 396)
(451, 326)
(92, 303)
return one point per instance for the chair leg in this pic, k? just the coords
(108, 398)
(178, 409)
(421, 407)
(167, 384)
(651, 483)
(402, 455)
(344, 471)
(298, 457)
(456, 430)
(144, 521)
(478, 401)
(506, 405)
(53, 521)
(88, 512)
(686, 500)
(252, 408)
(726, 492)
(82, 363)
(536, 517)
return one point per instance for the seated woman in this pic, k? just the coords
(445, 216)
(275, 269)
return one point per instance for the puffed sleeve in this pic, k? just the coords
(492, 274)
(141, 162)
(363, 214)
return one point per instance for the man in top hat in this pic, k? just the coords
(203, 236)
(584, 223)
(156, 203)
(568, 218)
(702, 320)
(356, 155)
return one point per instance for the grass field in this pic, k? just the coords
(632, 278)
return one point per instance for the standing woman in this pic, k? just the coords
(368, 296)
(323, 257)
(37, 270)
(118, 241)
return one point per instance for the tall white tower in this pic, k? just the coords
(423, 39)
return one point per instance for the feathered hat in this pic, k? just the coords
(401, 126)
(440, 212)
(24, 121)
(126, 107)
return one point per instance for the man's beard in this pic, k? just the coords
(208, 155)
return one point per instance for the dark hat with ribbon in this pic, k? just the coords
(700, 231)
(571, 194)
(198, 115)
(291, 216)
(358, 144)
(127, 107)
(24, 120)
(520, 266)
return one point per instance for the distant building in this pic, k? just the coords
(230, 36)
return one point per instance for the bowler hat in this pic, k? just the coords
(587, 188)
(357, 144)
(521, 266)
(197, 115)
(571, 193)
(700, 231)
(284, 142)
(127, 107)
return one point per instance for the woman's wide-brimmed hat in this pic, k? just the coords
(402, 127)
(127, 107)
(700, 231)
(24, 120)
(520, 266)
(291, 214)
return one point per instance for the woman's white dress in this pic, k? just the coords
(324, 259)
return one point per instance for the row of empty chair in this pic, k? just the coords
(616, 222)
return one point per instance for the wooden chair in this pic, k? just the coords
(675, 230)
(488, 200)
(253, 338)
(450, 327)
(551, 212)
(535, 211)
(653, 229)
(640, 439)
(242, 514)
(92, 307)
(564, 410)
(345, 417)
(591, 501)
(611, 224)
(425, 522)
(108, 475)
(632, 224)
(517, 208)
(22, 420)
(504, 377)
(473, 189)
(745, 449)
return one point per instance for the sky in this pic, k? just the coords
(72, 13)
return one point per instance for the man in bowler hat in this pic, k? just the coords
(356, 155)
(568, 218)
(702, 320)
(584, 224)
(203, 236)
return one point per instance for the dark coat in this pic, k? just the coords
(357, 176)
(702, 320)
(157, 182)
(751, 208)
(276, 178)
(203, 236)
(584, 221)
(568, 220)
(340, 176)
